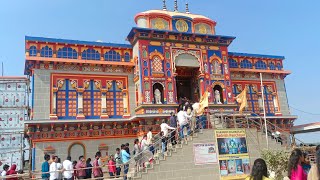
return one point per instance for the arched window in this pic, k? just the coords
(272, 66)
(157, 64)
(46, 52)
(33, 51)
(112, 56)
(215, 67)
(67, 52)
(145, 63)
(127, 57)
(169, 73)
(233, 63)
(145, 72)
(246, 64)
(90, 54)
(260, 65)
(279, 66)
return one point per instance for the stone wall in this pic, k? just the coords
(42, 85)
(90, 146)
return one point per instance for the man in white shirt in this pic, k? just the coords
(54, 173)
(165, 128)
(182, 117)
(68, 169)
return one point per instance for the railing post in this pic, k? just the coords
(247, 121)
(234, 121)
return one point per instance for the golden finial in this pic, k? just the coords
(175, 5)
(187, 8)
(164, 5)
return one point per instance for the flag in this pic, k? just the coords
(242, 100)
(204, 102)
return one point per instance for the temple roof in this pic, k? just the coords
(256, 55)
(90, 43)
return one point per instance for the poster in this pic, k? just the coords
(205, 153)
(233, 153)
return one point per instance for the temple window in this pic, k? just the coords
(145, 63)
(67, 52)
(113, 56)
(90, 54)
(46, 52)
(170, 86)
(272, 66)
(169, 73)
(146, 86)
(127, 57)
(157, 64)
(233, 63)
(33, 51)
(216, 67)
(167, 65)
(279, 66)
(246, 64)
(92, 102)
(67, 101)
(268, 100)
(167, 55)
(145, 72)
(144, 54)
(114, 101)
(252, 98)
(260, 65)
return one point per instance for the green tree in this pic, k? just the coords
(277, 162)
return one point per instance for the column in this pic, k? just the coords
(202, 83)
(276, 105)
(126, 113)
(53, 115)
(80, 114)
(104, 104)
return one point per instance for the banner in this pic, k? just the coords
(233, 154)
(205, 153)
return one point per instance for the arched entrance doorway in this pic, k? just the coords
(76, 150)
(187, 81)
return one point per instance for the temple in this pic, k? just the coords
(89, 96)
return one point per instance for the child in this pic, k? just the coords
(112, 167)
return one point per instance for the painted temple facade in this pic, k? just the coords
(89, 96)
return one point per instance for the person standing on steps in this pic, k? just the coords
(165, 128)
(173, 123)
(45, 168)
(117, 158)
(125, 157)
(182, 117)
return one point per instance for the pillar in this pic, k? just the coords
(126, 113)
(104, 104)
(53, 114)
(80, 114)
(202, 84)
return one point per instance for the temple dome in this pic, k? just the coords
(166, 20)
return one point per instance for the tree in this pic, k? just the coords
(277, 162)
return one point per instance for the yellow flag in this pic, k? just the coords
(204, 102)
(242, 100)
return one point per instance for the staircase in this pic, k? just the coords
(178, 162)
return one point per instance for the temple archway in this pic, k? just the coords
(219, 89)
(76, 150)
(160, 88)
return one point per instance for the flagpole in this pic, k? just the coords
(264, 111)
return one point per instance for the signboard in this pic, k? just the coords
(233, 154)
(205, 153)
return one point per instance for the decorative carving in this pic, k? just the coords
(60, 83)
(49, 150)
(97, 84)
(156, 53)
(103, 147)
(171, 100)
(109, 84)
(119, 85)
(74, 83)
(86, 84)
(147, 96)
